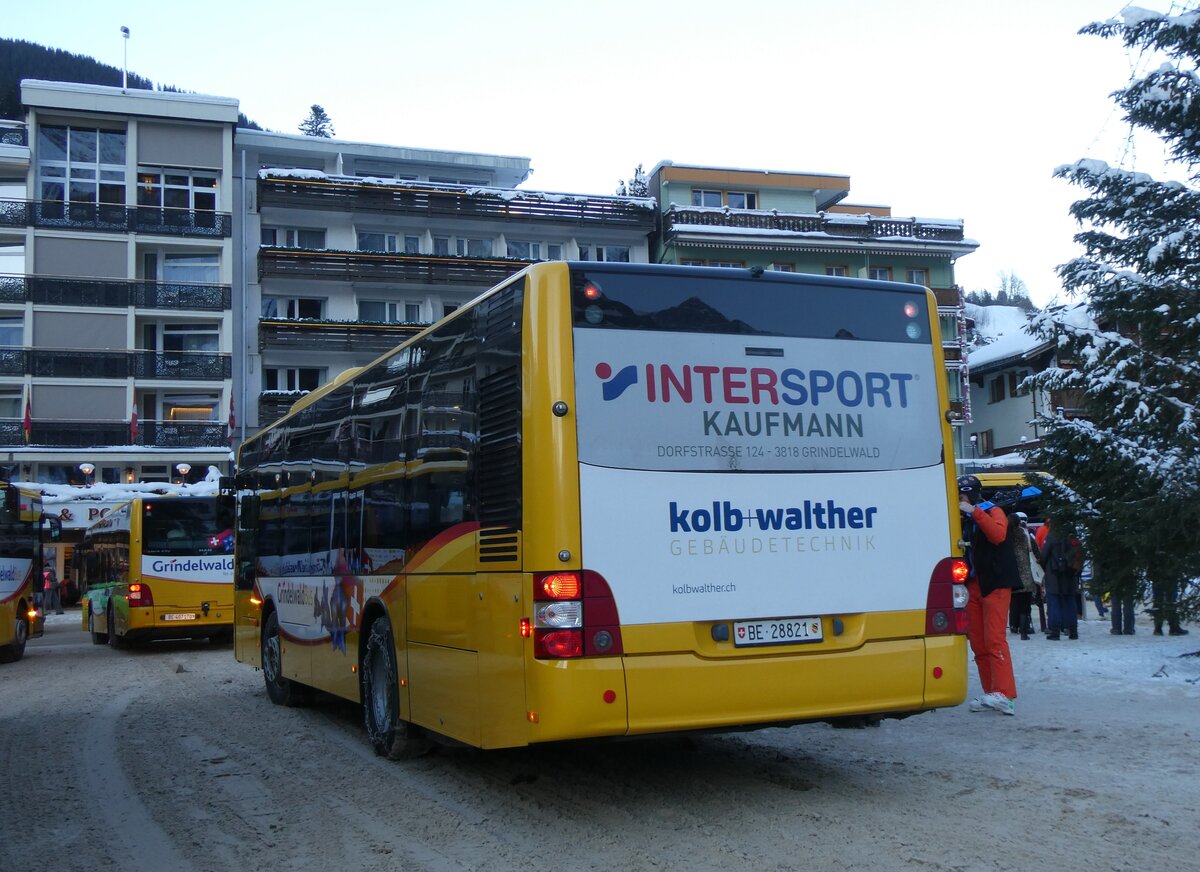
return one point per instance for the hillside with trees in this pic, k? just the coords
(20, 59)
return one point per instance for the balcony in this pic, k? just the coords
(13, 135)
(374, 266)
(146, 365)
(948, 298)
(115, 218)
(63, 291)
(699, 226)
(333, 335)
(98, 434)
(438, 202)
(273, 405)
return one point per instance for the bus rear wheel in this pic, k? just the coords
(15, 650)
(114, 641)
(280, 690)
(97, 638)
(388, 735)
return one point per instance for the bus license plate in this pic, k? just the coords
(179, 616)
(779, 631)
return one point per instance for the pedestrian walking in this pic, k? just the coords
(51, 594)
(1062, 559)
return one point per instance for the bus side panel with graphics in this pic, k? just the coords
(21, 535)
(608, 500)
(160, 568)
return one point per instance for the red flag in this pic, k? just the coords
(232, 420)
(28, 425)
(133, 430)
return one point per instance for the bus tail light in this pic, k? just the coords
(139, 595)
(574, 615)
(946, 604)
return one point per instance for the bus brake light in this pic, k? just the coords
(946, 603)
(140, 595)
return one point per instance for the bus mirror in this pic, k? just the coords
(12, 499)
(53, 525)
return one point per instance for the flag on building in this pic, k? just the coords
(27, 426)
(133, 430)
(232, 420)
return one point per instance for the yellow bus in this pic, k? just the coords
(23, 528)
(611, 500)
(159, 568)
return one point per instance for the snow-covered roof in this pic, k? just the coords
(1001, 336)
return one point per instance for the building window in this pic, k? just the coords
(1014, 383)
(996, 389)
(388, 311)
(10, 403)
(612, 253)
(523, 250)
(177, 189)
(842, 271)
(954, 385)
(83, 165)
(293, 237)
(728, 264)
(783, 267)
(447, 308)
(12, 331)
(692, 261)
(741, 200)
(292, 378)
(706, 198)
(987, 443)
(553, 251)
(191, 337)
(473, 247)
(372, 241)
(917, 277)
(880, 273)
(949, 327)
(412, 244)
(161, 266)
(190, 407)
(293, 307)
(441, 246)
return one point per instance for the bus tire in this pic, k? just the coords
(15, 650)
(388, 735)
(280, 690)
(114, 640)
(97, 638)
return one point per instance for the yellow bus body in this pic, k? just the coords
(467, 672)
(20, 571)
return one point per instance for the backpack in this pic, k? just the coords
(1067, 558)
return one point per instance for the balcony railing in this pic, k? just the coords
(97, 434)
(115, 218)
(273, 406)
(449, 201)
(373, 266)
(13, 135)
(64, 291)
(149, 365)
(333, 336)
(678, 220)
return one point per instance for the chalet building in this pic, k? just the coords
(800, 222)
(350, 248)
(116, 264)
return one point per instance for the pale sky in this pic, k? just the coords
(938, 108)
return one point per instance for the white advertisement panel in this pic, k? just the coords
(13, 572)
(719, 546)
(692, 401)
(208, 568)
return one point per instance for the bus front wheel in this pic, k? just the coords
(282, 691)
(15, 650)
(388, 735)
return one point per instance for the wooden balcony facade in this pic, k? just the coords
(68, 291)
(454, 202)
(289, 335)
(374, 266)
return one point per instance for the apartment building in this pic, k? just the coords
(116, 265)
(350, 248)
(801, 222)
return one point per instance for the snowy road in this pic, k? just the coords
(171, 758)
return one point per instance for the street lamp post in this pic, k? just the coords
(183, 469)
(974, 464)
(88, 469)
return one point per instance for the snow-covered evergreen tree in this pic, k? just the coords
(638, 186)
(318, 123)
(1124, 446)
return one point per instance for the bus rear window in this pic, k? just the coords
(187, 526)
(732, 302)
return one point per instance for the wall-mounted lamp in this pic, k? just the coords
(87, 469)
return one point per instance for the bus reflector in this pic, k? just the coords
(140, 595)
(526, 628)
(946, 603)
